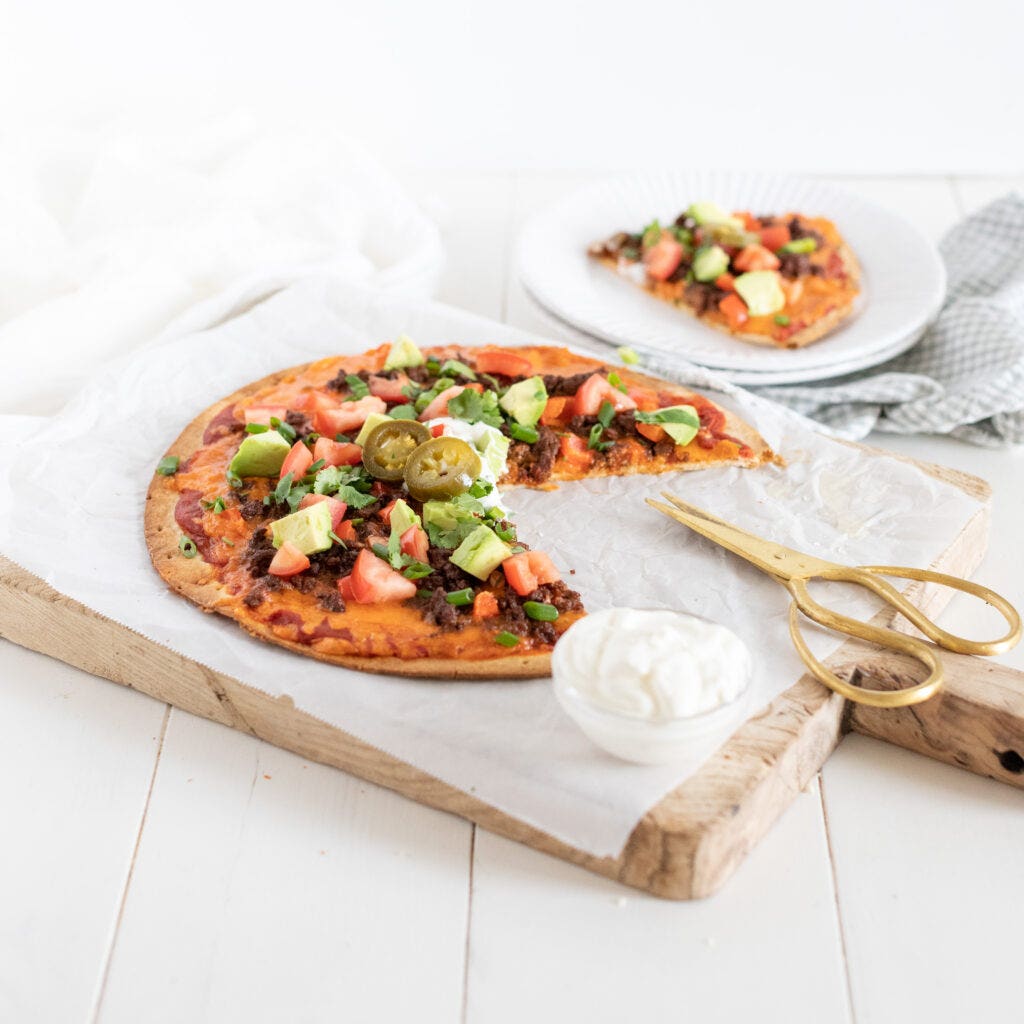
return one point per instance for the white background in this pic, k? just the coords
(813, 85)
(141, 848)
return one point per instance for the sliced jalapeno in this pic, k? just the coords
(389, 446)
(441, 468)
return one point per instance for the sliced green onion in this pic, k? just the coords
(256, 428)
(540, 612)
(424, 593)
(433, 366)
(286, 430)
(337, 539)
(616, 381)
(230, 543)
(594, 442)
(606, 413)
(506, 533)
(234, 480)
(782, 320)
(344, 438)
(521, 433)
(480, 489)
(506, 639)
(168, 465)
(628, 356)
(318, 465)
(460, 597)
(187, 547)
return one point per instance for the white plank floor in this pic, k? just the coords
(155, 867)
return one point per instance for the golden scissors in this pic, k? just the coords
(794, 570)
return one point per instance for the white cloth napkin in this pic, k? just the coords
(110, 236)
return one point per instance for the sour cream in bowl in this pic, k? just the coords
(653, 686)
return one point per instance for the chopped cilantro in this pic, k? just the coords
(402, 412)
(217, 505)
(417, 571)
(521, 433)
(283, 487)
(455, 368)
(616, 381)
(481, 488)
(168, 465)
(473, 407)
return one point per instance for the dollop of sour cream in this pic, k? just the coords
(652, 665)
(490, 444)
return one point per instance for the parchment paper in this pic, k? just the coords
(71, 512)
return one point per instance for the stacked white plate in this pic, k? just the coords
(903, 279)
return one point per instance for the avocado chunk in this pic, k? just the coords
(375, 419)
(403, 353)
(525, 401)
(260, 455)
(709, 262)
(712, 213)
(309, 529)
(680, 422)
(402, 517)
(761, 291)
(481, 553)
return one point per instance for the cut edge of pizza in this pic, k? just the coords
(280, 506)
(783, 281)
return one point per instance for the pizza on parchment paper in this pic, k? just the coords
(350, 509)
(783, 280)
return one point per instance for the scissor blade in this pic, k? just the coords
(769, 557)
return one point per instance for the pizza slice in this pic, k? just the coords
(785, 280)
(352, 509)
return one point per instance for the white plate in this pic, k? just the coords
(903, 283)
(747, 378)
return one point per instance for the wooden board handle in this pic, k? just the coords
(975, 722)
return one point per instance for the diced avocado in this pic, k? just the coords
(481, 553)
(492, 446)
(375, 419)
(525, 401)
(709, 262)
(761, 291)
(680, 422)
(402, 517)
(446, 515)
(309, 529)
(260, 454)
(403, 353)
(712, 213)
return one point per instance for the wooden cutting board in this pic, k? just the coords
(688, 844)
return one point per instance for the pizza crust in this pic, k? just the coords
(813, 332)
(196, 580)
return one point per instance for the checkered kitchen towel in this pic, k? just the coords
(965, 377)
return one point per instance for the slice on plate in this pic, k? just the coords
(352, 509)
(773, 279)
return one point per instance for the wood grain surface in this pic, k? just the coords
(689, 843)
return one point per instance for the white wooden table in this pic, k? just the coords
(155, 867)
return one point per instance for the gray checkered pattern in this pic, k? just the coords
(965, 377)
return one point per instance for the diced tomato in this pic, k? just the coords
(347, 417)
(437, 430)
(651, 431)
(735, 310)
(388, 389)
(314, 401)
(374, 581)
(347, 532)
(345, 588)
(505, 364)
(385, 512)
(542, 567)
(485, 606)
(520, 576)
(337, 453)
(774, 237)
(645, 400)
(575, 452)
(663, 258)
(750, 222)
(297, 461)
(726, 282)
(595, 390)
(263, 413)
(414, 543)
(338, 508)
(558, 410)
(289, 561)
(439, 406)
(756, 257)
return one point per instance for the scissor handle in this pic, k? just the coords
(868, 576)
(917, 649)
